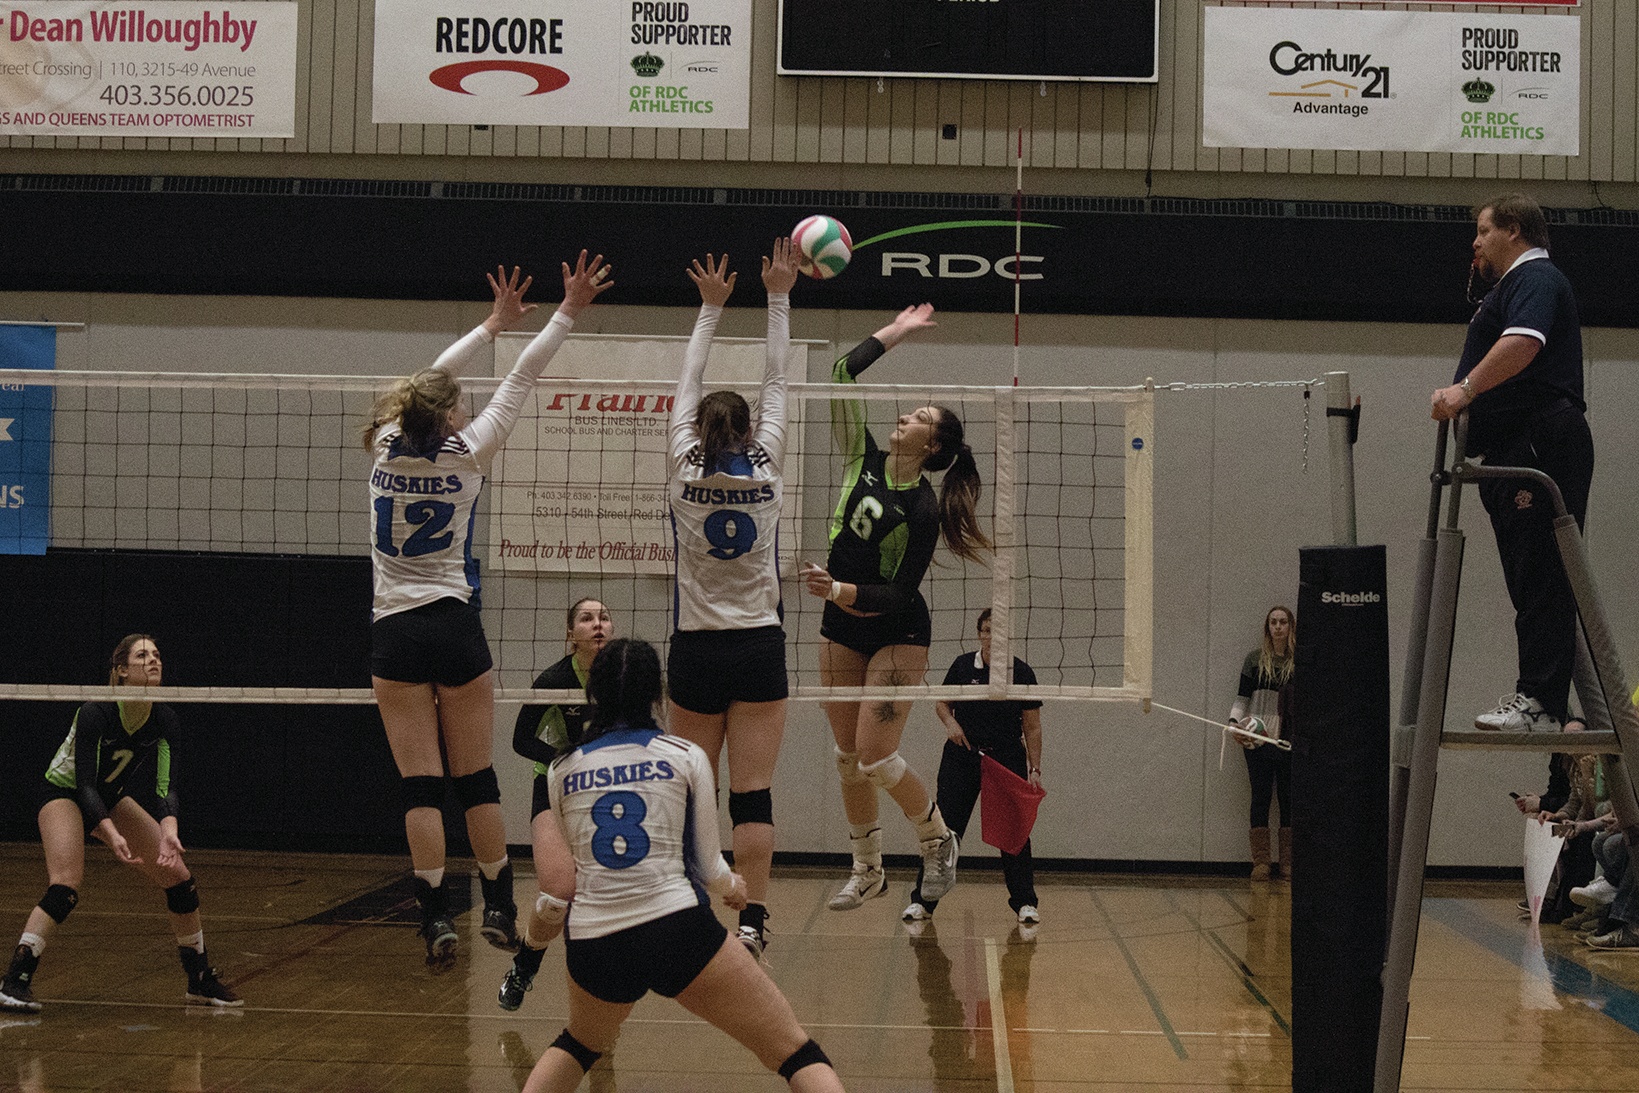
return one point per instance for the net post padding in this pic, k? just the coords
(1006, 541)
(1139, 627)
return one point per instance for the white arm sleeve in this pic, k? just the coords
(689, 385)
(770, 425)
(490, 429)
(705, 852)
(1238, 711)
(459, 357)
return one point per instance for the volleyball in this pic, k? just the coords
(825, 246)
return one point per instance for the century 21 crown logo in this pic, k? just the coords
(1289, 59)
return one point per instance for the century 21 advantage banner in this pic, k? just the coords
(676, 65)
(1391, 81)
(149, 69)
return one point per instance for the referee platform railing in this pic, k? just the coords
(1420, 732)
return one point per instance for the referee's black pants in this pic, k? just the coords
(1558, 443)
(959, 792)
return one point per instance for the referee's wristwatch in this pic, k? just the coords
(1468, 387)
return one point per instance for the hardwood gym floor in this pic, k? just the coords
(1151, 984)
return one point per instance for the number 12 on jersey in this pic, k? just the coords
(430, 519)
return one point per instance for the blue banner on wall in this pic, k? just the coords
(25, 442)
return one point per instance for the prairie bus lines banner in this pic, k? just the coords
(680, 65)
(1392, 81)
(151, 69)
(581, 484)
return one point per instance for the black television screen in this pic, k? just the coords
(986, 39)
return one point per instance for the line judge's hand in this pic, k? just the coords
(713, 280)
(1447, 402)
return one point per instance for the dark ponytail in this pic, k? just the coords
(959, 493)
(724, 423)
(623, 685)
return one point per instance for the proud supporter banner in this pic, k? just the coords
(1392, 81)
(574, 62)
(160, 69)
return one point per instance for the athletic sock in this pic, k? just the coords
(754, 916)
(34, 943)
(866, 841)
(433, 877)
(932, 826)
(491, 869)
(528, 960)
(194, 941)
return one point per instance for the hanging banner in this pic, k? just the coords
(1391, 81)
(25, 441)
(581, 485)
(150, 69)
(683, 65)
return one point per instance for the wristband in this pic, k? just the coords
(1468, 387)
(836, 592)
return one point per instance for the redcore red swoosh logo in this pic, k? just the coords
(546, 77)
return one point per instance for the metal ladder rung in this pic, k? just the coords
(1573, 743)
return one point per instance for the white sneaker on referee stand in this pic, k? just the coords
(1517, 713)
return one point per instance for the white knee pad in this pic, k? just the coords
(848, 767)
(551, 909)
(884, 773)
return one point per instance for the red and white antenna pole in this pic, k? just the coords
(1018, 246)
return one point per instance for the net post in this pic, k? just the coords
(1006, 541)
(1138, 644)
(1341, 424)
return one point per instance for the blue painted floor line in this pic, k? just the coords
(1566, 976)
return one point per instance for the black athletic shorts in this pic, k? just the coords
(706, 670)
(868, 636)
(540, 797)
(441, 642)
(663, 955)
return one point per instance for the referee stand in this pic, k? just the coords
(1420, 732)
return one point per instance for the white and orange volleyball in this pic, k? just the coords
(825, 246)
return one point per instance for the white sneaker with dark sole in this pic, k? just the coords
(939, 866)
(1518, 713)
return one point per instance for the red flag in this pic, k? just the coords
(1008, 805)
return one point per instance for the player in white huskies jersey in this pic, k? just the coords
(429, 660)
(727, 657)
(638, 816)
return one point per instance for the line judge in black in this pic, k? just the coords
(1009, 732)
(1520, 379)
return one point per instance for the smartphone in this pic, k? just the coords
(1514, 795)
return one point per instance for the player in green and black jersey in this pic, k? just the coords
(876, 629)
(112, 778)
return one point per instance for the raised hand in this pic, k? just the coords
(907, 322)
(584, 283)
(509, 308)
(713, 280)
(780, 270)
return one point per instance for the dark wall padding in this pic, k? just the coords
(1099, 256)
(307, 777)
(1340, 794)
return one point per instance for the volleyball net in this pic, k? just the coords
(191, 467)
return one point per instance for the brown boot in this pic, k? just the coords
(1260, 853)
(1286, 853)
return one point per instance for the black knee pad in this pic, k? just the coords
(578, 1051)
(756, 807)
(423, 791)
(806, 1055)
(182, 898)
(478, 788)
(58, 901)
